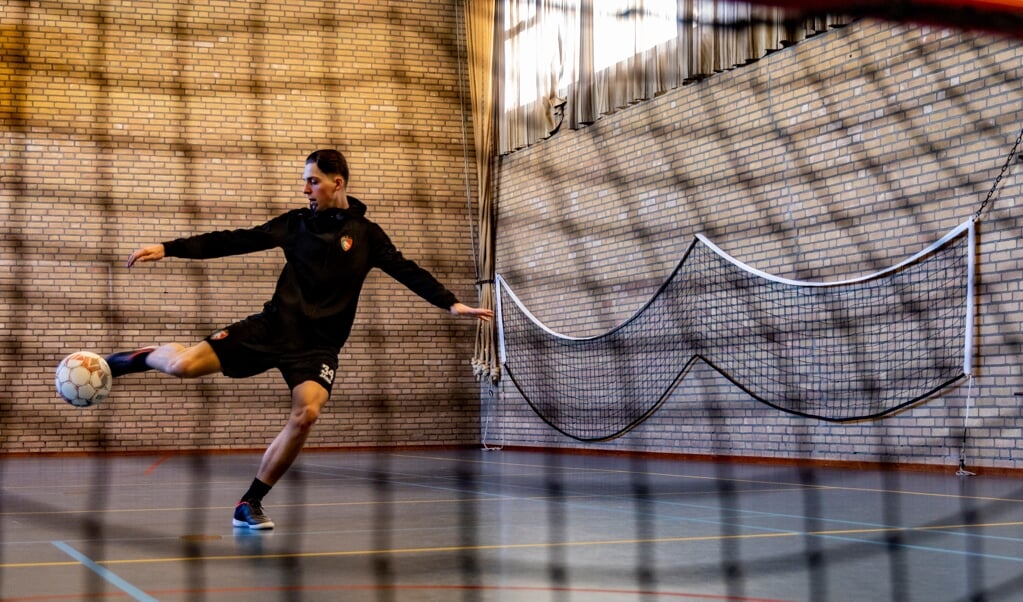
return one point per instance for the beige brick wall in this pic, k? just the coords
(832, 159)
(129, 123)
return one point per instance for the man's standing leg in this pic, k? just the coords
(307, 399)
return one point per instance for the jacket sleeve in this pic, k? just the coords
(229, 242)
(416, 279)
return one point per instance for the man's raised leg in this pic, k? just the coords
(173, 359)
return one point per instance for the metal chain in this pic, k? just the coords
(1005, 167)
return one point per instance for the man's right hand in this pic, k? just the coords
(147, 253)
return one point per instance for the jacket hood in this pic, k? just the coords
(356, 207)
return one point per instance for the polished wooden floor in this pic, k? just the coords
(503, 525)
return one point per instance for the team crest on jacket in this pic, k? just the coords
(219, 335)
(345, 242)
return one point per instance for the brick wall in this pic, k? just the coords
(129, 123)
(831, 159)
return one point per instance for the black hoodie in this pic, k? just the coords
(329, 254)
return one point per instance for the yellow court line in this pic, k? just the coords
(426, 550)
(800, 486)
(486, 498)
(511, 546)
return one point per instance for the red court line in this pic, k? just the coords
(372, 587)
(152, 467)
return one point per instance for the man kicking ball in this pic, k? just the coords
(330, 247)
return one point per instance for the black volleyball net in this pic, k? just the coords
(837, 351)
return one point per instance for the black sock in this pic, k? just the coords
(128, 362)
(257, 490)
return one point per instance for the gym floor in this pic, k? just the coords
(503, 525)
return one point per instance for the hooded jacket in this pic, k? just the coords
(329, 254)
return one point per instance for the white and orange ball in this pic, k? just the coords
(83, 379)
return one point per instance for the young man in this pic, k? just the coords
(329, 247)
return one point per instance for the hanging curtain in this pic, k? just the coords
(539, 39)
(563, 59)
(479, 26)
(554, 46)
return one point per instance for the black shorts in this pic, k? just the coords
(256, 344)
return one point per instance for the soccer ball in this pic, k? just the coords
(83, 379)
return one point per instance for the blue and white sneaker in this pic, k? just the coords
(250, 514)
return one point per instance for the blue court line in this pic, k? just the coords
(111, 577)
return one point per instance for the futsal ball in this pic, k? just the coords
(83, 379)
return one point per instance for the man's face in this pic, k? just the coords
(323, 191)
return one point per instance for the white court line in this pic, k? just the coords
(110, 576)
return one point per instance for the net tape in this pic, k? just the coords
(836, 351)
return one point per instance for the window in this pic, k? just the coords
(625, 28)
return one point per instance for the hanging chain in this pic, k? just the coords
(1005, 167)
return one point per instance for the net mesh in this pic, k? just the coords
(839, 351)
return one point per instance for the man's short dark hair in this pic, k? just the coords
(330, 162)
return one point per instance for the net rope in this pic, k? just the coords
(836, 351)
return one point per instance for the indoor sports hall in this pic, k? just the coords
(754, 272)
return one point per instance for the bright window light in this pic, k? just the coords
(536, 42)
(624, 28)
